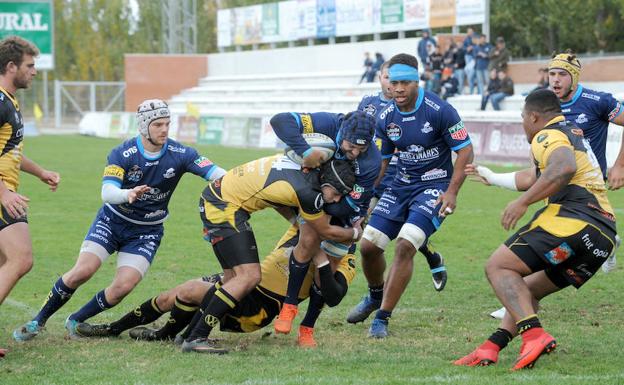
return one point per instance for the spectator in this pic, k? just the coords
(542, 81)
(450, 84)
(469, 55)
(482, 58)
(379, 60)
(459, 60)
(436, 62)
(493, 87)
(426, 46)
(427, 78)
(368, 66)
(449, 57)
(499, 56)
(506, 89)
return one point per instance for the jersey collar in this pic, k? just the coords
(383, 99)
(421, 96)
(142, 150)
(11, 97)
(555, 120)
(577, 94)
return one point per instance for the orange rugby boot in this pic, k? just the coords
(306, 337)
(535, 342)
(283, 323)
(484, 355)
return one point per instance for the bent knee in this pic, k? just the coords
(193, 291)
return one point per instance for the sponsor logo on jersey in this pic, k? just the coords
(203, 162)
(357, 191)
(130, 151)
(370, 109)
(615, 112)
(436, 173)
(431, 104)
(394, 131)
(458, 131)
(153, 214)
(378, 143)
(582, 118)
(559, 254)
(170, 173)
(409, 118)
(154, 163)
(155, 195)
(177, 149)
(114, 171)
(386, 111)
(135, 174)
(416, 152)
(306, 122)
(590, 96)
(542, 137)
(318, 202)
(426, 128)
(576, 131)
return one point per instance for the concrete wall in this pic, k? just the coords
(161, 76)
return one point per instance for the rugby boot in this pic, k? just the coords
(305, 338)
(378, 328)
(26, 332)
(72, 329)
(142, 333)
(484, 355)
(283, 323)
(203, 345)
(499, 314)
(535, 342)
(95, 330)
(439, 275)
(362, 310)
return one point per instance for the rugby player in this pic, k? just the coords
(353, 134)
(225, 208)
(17, 70)
(139, 179)
(425, 130)
(564, 244)
(373, 105)
(326, 281)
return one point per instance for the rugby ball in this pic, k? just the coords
(317, 141)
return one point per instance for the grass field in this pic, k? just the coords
(429, 329)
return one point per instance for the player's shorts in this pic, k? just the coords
(569, 250)
(413, 204)
(6, 220)
(255, 311)
(227, 228)
(221, 219)
(116, 234)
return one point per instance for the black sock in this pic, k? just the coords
(433, 258)
(218, 306)
(200, 311)
(376, 292)
(315, 306)
(180, 316)
(528, 323)
(297, 272)
(59, 295)
(501, 337)
(145, 313)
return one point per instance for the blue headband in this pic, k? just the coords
(399, 72)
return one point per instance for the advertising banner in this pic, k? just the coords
(325, 18)
(391, 15)
(470, 12)
(31, 20)
(288, 20)
(306, 17)
(187, 129)
(210, 130)
(354, 17)
(441, 13)
(416, 14)
(224, 27)
(248, 25)
(270, 23)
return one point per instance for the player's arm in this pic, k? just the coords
(516, 181)
(112, 180)
(325, 230)
(616, 173)
(332, 280)
(382, 171)
(465, 155)
(50, 178)
(202, 166)
(560, 168)
(289, 127)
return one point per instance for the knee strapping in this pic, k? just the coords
(376, 237)
(413, 234)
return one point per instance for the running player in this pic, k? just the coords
(225, 208)
(425, 130)
(17, 70)
(255, 311)
(353, 134)
(139, 179)
(564, 244)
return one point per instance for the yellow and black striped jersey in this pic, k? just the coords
(273, 181)
(275, 268)
(11, 135)
(586, 193)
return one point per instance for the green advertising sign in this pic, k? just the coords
(270, 20)
(32, 20)
(210, 130)
(391, 11)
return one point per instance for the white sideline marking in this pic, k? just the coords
(20, 305)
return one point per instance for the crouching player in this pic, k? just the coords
(326, 282)
(565, 243)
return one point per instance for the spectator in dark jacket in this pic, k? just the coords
(493, 87)
(368, 65)
(499, 56)
(379, 60)
(459, 59)
(450, 85)
(482, 60)
(506, 88)
(426, 46)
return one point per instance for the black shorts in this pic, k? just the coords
(221, 219)
(571, 256)
(255, 311)
(6, 220)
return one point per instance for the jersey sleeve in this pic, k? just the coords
(310, 204)
(198, 164)
(611, 107)
(453, 129)
(545, 142)
(347, 268)
(115, 169)
(289, 126)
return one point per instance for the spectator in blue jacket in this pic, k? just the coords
(482, 57)
(426, 46)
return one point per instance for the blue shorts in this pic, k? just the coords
(116, 234)
(413, 204)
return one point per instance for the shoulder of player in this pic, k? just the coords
(176, 147)
(433, 102)
(549, 135)
(588, 94)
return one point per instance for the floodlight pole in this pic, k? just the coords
(179, 26)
